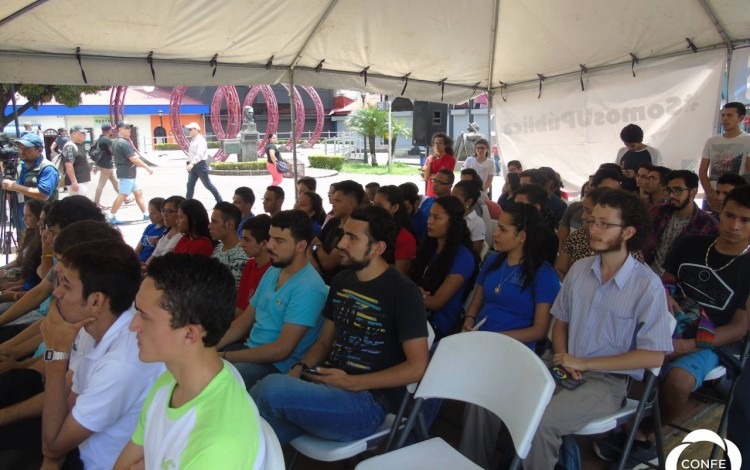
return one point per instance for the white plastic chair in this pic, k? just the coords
(331, 451)
(487, 369)
(274, 459)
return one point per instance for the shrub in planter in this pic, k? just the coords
(327, 162)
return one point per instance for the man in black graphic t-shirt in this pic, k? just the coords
(373, 342)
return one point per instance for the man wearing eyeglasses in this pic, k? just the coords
(654, 187)
(442, 182)
(679, 217)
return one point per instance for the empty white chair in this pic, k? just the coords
(466, 367)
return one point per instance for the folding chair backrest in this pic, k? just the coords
(430, 339)
(274, 455)
(495, 372)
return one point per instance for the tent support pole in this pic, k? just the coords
(292, 120)
(20, 12)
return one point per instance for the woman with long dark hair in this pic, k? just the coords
(272, 156)
(514, 294)
(29, 255)
(311, 204)
(192, 222)
(441, 158)
(516, 286)
(445, 264)
(391, 199)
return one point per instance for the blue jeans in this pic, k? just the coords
(252, 373)
(200, 171)
(294, 407)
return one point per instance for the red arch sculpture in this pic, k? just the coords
(175, 100)
(319, 115)
(299, 116)
(234, 113)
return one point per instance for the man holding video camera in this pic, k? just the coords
(37, 178)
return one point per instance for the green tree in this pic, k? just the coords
(370, 123)
(400, 128)
(35, 95)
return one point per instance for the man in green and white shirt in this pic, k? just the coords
(198, 414)
(225, 219)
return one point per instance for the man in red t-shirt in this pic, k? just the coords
(253, 242)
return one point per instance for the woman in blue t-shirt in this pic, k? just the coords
(516, 287)
(445, 264)
(154, 231)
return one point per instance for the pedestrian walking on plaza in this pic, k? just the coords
(197, 166)
(272, 156)
(126, 162)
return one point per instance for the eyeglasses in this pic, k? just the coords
(437, 181)
(641, 177)
(653, 178)
(675, 191)
(603, 225)
(168, 211)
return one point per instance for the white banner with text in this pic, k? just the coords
(674, 100)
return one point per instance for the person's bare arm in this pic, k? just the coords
(131, 457)
(705, 181)
(135, 160)
(33, 193)
(562, 264)
(445, 292)
(277, 351)
(320, 349)
(33, 299)
(239, 328)
(29, 408)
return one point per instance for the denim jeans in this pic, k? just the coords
(252, 373)
(294, 407)
(200, 170)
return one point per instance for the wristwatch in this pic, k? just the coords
(51, 355)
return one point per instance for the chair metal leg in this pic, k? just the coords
(410, 423)
(397, 421)
(294, 460)
(650, 395)
(656, 413)
(516, 463)
(722, 431)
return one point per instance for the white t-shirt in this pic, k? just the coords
(476, 225)
(726, 155)
(112, 384)
(484, 169)
(166, 245)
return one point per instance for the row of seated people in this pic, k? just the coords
(447, 229)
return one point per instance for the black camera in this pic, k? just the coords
(8, 157)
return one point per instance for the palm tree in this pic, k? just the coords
(399, 128)
(370, 123)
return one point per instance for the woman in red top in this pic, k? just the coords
(391, 199)
(192, 222)
(442, 157)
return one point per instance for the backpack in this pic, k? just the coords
(95, 152)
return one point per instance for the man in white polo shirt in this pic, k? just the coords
(86, 334)
(197, 165)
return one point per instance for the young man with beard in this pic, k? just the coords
(680, 217)
(283, 317)
(611, 323)
(373, 343)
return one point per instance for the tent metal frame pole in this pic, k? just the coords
(20, 12)
(292, 120)
(489, 124)
(727, 42)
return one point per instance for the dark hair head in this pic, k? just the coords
(157, 202)
(595, 194)
(534, 177)
(351, 189)
(36, 206)
(547, 173)
(526, 218)
(298, 223)
(473, 173)
(482, 141)
(737, 106)
(30, 245)
(449, 174)
(663, 172)
(380, 227)
(535, 195)
(197, 218)
(689, 177)
(278, 191)
(176, 201)
(429, 274)
(448, 142)
(410, 191)
(740, 195)
(516, 164)
(394, 196)
(107, 266)
(471, 190)
(632, 212)
(319, 213)
(246, 194)
(611, 166)
(373, 184)
(605, 174)
(229, 212)
(258, 227)
(85, 231)
(727, 178)
(514, 181)
(631, 134)
(309, 182)
(64, 212)
(195, 290)
(648, 166)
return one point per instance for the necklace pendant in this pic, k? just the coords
(498, 289)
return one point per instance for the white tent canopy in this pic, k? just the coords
(450, 50)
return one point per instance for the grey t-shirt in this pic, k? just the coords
(122, 150)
